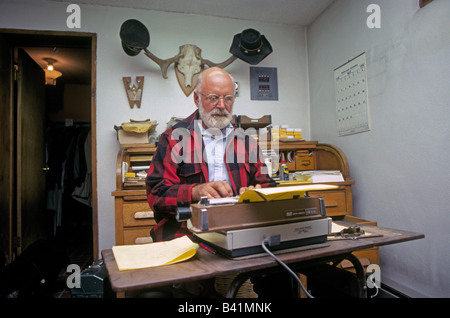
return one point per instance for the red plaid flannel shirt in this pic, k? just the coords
(178, 166)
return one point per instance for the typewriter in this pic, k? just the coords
(237, 226)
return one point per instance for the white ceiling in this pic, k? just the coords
(292, 12)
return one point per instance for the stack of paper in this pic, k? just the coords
(318, 176)
(154, 254)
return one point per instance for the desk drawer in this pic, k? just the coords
(137, 236)
(335, 201)
(137, 214)
(304, 163)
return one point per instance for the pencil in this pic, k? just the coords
(209, 249)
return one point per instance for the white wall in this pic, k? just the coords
(401, 167)
(163, 98)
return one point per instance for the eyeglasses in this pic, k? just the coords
(213, 99)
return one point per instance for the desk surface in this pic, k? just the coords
(206, 265)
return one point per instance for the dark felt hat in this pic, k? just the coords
(250, 46)
(134, 36)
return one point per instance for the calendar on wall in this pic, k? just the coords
(352, 103)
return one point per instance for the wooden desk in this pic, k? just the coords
(206, 265)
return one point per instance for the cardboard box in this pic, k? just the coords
(129, 137)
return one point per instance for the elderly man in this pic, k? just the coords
(203, 155)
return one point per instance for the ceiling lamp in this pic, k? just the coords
(50, 73)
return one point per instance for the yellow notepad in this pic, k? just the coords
(154, 254)
(281, 193)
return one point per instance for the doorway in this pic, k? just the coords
(70, 211)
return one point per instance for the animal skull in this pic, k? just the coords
(188, 64)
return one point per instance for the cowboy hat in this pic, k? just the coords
(250, 46)
(134, 36)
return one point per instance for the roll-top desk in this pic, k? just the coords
(133, 216)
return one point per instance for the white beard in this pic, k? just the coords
(212, 121)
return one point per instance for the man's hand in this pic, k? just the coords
(243, 189)
(212, 190)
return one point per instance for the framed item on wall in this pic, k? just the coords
(263, 83)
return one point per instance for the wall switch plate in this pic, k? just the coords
(263, 83)
(236, 89)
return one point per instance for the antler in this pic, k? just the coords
(225, 63)
(163, 64)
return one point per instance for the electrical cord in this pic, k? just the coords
(372, 279)
(275, 240)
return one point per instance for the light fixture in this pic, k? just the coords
(50, 63)
(50, 73)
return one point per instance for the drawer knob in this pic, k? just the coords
(143, 215)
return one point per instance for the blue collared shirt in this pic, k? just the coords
(215, 142)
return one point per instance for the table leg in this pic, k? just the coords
(237, 283)
(360, 275)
